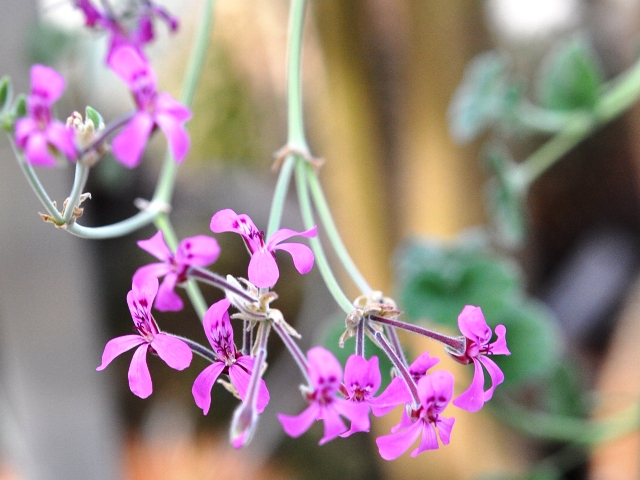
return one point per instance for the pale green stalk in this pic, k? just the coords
(79, 182)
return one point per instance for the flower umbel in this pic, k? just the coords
(198, 251)
(173, 351)
(435, 391)
(478, 334)
(38, 134)
(263, 269)
(238, 367)
(154, 110)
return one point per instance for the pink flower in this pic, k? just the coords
(435, 391)
(361, 381)
(38, 134)
(120, 34)
(238, 367)
(154, 110)
(474, 327)
(198, 251)
(325, 374)
(263, 269)
(397, 393)
(173, 351)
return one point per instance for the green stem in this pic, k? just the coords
(119, 229)
(79, 181)
(567, 429)
(324, 213)
(320, 257)
(167, 178)
(295, 121)
(191, 286)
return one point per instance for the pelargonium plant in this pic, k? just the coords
(343, 398)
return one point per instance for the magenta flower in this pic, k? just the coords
(263, 269)
(397, 393)
(120, 34)
(435, 391)
(325, 374)
(38, 134)
(154, 110)
(198, 251)
(172, 350)
(238, 367)
(474, 327)
(361, 381)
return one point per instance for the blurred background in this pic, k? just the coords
(379, 76)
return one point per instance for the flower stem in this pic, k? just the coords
(397, 363)
(217, 281)
(395, 342)
(108, 130)
(320, 257)
(294, 350)
(360, 338)
(457, 344)
(79, 182)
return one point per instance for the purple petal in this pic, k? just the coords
(157, 247)
(240, 379)
(61, 137)
(393, 445)
(301, 254)
(263, 269)
(129, 144)
(362, 373)
(497, 377)
(166, 104)
(46, 82)
(294, 426)
(421, 365)
(356, 412)
(444, 429)
(129, 65)
(172, 350)
(397, 393)
(473, 325)
(24, 128)
(139, 376)
(118, 345)
(167, 299)
(263, 394)
(472, 399)
(225, 220)
(155, 270)
(324, 368)
(199, 251)
(333, 424)
(438, 385)
(203, 384)
(499, 347)
(37, 151)
(144, 290)
(429, 439)
(285, 233)
(216, 313)
(92, 15)
(177, 136)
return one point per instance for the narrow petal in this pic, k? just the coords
(118, 345)
(497, 377)
(172, 350)
(199, 251)
(177, 136)
(473, 325)
(263, 269)
(356, 412)
(23, 130)
(154, 270)
(139, 376)
(263, 394)
(445, 425)
(143, 290)
(285, 233)
(301, 254)
(168, 300)
(127, 63)
(333, 424)
(165, 103)
(157, 247)
(37, 151)
(225, 220)
(215, 314)
(61, 137)
(397, 393)
(129, 144)
(393, 445)
(499, 347)
(422, 364)
(46, 82)
(203, 384)
(472, 399)
(294, 426)
(429, 439)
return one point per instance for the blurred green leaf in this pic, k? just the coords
(571, 77)
(483, 96)
(562, 392)
(46, 43)
(5, 92)
(505, 198)
(437, 281)
(20, 107)
(93, 115)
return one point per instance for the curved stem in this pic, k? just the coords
(320, 257)
(79, 182)
(324, 213)
(119, 229)
(280, 194)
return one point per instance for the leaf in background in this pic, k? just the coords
(505, 198)
(93, 115)
(571, 77)
(5, 92)
(483, 96)
(436, 281)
